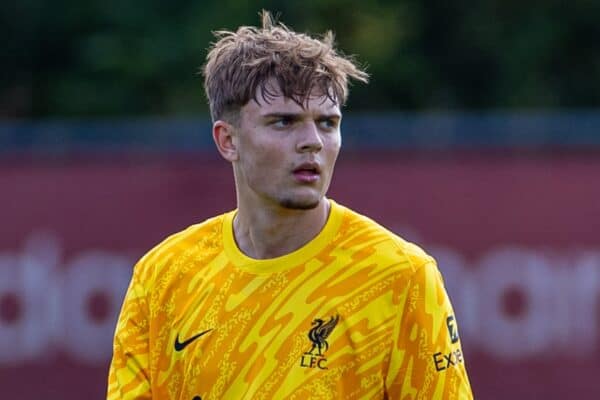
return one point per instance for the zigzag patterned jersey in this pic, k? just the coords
(357, 313)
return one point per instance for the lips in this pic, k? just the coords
(307, 172)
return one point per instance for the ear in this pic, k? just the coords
(224, 137)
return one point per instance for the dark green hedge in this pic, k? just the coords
(110, 58)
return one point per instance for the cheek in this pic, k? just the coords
(264, 165)
(333, 148)
(269, 161)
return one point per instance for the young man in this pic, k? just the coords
(290, 296)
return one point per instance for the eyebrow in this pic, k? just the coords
(299, 114)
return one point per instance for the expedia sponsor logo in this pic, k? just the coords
(444, 361)
(318, 335)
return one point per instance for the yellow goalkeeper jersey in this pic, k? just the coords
(356, 313)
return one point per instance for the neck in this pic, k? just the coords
(269, 233)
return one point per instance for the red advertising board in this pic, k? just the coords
(515, 235)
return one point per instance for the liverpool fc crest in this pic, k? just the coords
(318, 335)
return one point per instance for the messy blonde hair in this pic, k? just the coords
(240, 63)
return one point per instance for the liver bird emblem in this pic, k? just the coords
(320, 332)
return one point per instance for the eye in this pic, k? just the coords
(282, 122)
(328, 123)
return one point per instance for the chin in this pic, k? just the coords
(300, 204)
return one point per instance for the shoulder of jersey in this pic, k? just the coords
(414, 254)
(176, 244)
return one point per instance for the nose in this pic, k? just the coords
(309, 139)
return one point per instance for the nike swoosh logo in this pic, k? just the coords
(182, 345)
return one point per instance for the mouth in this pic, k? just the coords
(307, 172)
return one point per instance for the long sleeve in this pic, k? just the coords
(129, 374)
(426, 359)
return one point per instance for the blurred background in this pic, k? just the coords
(478, 138)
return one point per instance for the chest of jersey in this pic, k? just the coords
(307, 332)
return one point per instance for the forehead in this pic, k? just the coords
(275, 103)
